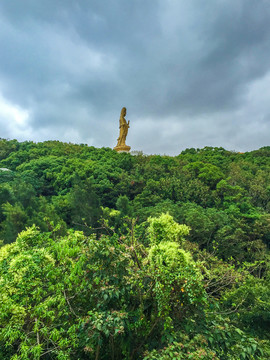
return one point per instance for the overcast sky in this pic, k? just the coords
(191, 73)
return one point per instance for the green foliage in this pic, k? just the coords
(252, 301)
(165, 228)
(230, 342)
(178, 287)
(136, 283)
(122, 204)
(39, 277)
(83, 206)
(75, 297)
(76, 180)
(195, 348)
(169, 255)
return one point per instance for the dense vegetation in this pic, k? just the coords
(119, 256)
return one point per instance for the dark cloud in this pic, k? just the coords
(191, 73)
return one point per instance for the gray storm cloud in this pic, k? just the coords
(191, 74)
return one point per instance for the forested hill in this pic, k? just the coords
(223, 196)
(163, 289)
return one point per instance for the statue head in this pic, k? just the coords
(123, 111)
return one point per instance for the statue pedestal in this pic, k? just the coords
(123, 148)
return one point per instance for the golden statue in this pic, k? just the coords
(123, 126)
